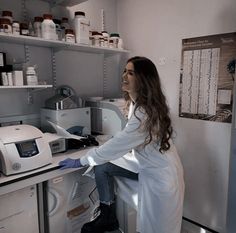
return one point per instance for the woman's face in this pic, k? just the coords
(129, 80)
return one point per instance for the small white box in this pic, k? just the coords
(18, 78)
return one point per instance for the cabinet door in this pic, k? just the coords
(19, 211)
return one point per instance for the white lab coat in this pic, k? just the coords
(160, 188)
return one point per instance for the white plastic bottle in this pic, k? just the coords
(81, 25)
(38, 26)
(31, 76)
(114, 39)
(48, 28)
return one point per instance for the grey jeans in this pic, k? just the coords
(104, 177)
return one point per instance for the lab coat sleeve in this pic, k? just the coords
(123, 142)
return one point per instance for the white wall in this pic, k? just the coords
(155, 29)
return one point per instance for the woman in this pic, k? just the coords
(147, 138)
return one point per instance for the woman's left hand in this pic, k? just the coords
(70, 163)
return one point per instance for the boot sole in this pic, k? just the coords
(107, 229)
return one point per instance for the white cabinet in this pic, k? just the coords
(19, 211)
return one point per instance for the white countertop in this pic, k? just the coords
(21, 180)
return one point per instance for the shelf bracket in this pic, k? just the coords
(30, 98)
(54, 68)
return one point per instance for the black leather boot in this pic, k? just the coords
(106, 221)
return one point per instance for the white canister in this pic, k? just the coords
(96, 38)
(120, 44)
(16, 28)
(81, 25)
(69, 35)
(114, 39)
(4, 78)
(9, 78)
(31, 76)
(106, 38)
(48, 28)
(17, 78)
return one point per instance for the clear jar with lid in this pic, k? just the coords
(24, 29)
(105, 38)
(64, 25)
(101, 40)
(120, 44)
(96, 38)
(48, 28)
(15, 28)
(111, 43)
(58, 28)
(38, 26)
(114, 39)
(82, 26)
(31, 76)
(5, 26)
(69, 35)
(7, 15)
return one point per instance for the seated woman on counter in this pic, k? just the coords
(147, 138)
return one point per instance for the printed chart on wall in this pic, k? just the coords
(207, 77)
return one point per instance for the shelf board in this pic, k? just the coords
(26, 87)
(59, 45)
(64, 2)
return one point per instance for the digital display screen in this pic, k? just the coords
(27, 146)
(27, 149)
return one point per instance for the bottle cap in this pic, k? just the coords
(64, 19)
(114, 35)
(95, 33)
(38, 19)
(7, 13)
(69, 31)
(57, 21)
(5, 21)
(79, 13)
(47, 16)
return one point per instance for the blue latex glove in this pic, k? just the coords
(70, 163)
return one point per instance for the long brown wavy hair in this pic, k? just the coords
(151, 98)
